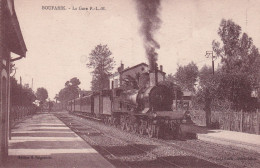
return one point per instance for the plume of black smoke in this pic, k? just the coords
(148, 11)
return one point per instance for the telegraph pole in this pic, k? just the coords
(213, 57)
(208, 99)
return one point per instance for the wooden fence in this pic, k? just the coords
(248, 122)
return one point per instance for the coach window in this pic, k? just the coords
(112, 84)
(128, 107)
(116, 83)
(120, 105)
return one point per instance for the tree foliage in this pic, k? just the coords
(20, 95)
(235, 88)
(41, 94)
(186, 76)
(239, 73)
(70, 91)
(175, 89)
(170, 77)
(208, 81)
(102, 63)
(238, 53)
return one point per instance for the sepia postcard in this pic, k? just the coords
(129, 83)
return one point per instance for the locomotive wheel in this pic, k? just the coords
(106, 121)
(117, 122)
(179, 133)
(128, 127)
(143, 127)
(158, 131)
(122, 126)
(135, 128)
(122, 122)
(151, 130)
(141, 131)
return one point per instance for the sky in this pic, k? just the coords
(59, 41)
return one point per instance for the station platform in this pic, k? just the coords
(43, 141)
(224, 137)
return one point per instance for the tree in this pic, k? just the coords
(241, 64)
(70, 91)
(102, 65)
(175, 89)
(186, 76)
(19, 95)
(238, 53)
(170, 77)
(41, 94)
(75, 82)
(206, 83)
(235, 88)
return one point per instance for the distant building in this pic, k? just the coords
(11, 40)
(116, 80)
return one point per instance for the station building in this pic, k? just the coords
(11, 40)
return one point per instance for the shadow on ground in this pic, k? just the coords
(128, 150)
(177, 161)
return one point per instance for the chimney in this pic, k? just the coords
(161, 68)
(121, 68)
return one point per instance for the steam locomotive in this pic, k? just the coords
(147, 110)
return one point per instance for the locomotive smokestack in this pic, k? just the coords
(154, 75)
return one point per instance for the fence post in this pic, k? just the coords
(257, 121)
(241, 121)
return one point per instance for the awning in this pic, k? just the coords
(14, 38)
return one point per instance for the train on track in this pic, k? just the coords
(148, 110)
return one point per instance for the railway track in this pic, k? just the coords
(77, 129)
(231, 160)
(222, 161)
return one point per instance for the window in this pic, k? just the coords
(112, 85)
(120, 105)
(116, 83)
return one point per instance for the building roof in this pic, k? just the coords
(141, 64)
(130, 68)
(15, 41)
(114, 74)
